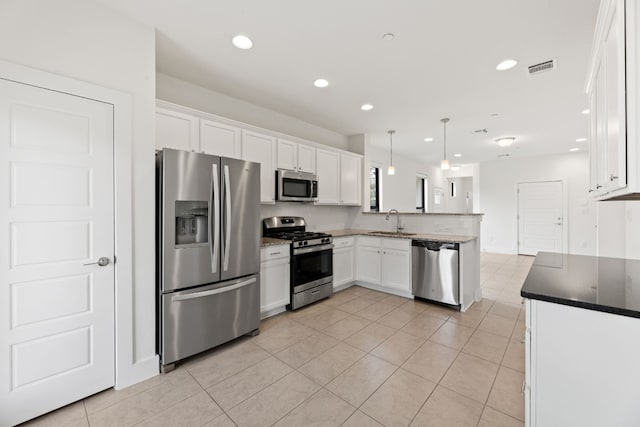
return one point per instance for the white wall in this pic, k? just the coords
(632, 230)
(89, 42)
(184, 93)
(498, 191)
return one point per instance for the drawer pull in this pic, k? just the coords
(315, 292)
(274, 253)
(523, 387)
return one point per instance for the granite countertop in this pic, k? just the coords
(611, 285)
(270, 241)
(428, 213)
(416, 236)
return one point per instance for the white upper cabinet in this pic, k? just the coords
(339, 178)
(261, 148)
(350, 176)
(296, 157)
(176, 130)
(220, 139)
(612, 89)
(328, 165)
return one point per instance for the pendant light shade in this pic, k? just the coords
(444, 164)
(392, 169)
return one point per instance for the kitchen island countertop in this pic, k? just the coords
(610, 285)
(413, 236)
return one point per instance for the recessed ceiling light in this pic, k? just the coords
(428, 139)
(506, 141)
(321, 83)
(388, 37)
(585, 111)
(507, 64)
(457, 155)
(581, 139)
(366, 107)
(574, 149)
(242, 42)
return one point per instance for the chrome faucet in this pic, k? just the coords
(399, 226)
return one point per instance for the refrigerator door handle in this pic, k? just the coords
(227, 219)
(214, 244)
(214, 291)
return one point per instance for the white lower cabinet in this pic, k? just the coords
(581, 367)
(385, 264)
(274, 279)
(343, 261)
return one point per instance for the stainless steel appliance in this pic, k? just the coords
(208, 253)
(311, 259)
(436, 271)
(296, 186)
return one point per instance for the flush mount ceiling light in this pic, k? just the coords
(428, 139)
(506, 141)
(366, 107)
(507, 64)
(444, 164)
(242, 42)
(581, 139)
(321, 83)
(392, 169)
(457, 155)
(574, 149)
(585, 111)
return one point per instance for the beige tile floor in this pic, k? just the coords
(360, 358)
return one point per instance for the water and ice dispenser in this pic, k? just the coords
(192, 219)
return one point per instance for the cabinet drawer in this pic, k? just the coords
(369, 241)
(274, 252)
(399, 244)
(343, 242)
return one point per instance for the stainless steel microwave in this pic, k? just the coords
(296, 186)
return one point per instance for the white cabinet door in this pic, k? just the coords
(306, 158)
(614, 54)
(176, 130)
(368, 251)
(396, 269)
(274, 278)
(328, 165)
(350, 172)
(220, 139)
(287, 155)
(343, 266)
(262, 149)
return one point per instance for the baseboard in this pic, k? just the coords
(385, 290)
(272, 312)
(498, 250)
(343, 287)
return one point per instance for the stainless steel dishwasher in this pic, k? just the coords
(436, 274)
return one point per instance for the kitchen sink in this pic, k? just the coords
(392, 233)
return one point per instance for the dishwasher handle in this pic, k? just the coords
(435, 246)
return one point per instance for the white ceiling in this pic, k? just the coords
(440, 64)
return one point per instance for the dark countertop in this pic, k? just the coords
(611, 285)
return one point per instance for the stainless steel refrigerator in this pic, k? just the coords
(208, 254)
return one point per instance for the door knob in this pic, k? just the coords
(102, 262)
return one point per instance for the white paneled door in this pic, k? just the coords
(57, 219)
(540, 217)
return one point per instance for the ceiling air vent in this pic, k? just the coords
(543, 67)
(504, 155)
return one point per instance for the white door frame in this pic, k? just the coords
(126, 370)
(565, 211)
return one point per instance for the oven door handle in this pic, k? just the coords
(301, 251)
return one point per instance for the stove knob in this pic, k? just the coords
(305, 243)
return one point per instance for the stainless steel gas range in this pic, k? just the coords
(311, 259)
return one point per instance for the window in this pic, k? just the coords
(374, 188)
(421, 194)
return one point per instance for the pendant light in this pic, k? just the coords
(444, 164)
(392, 169)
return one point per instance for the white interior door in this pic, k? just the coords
(540, 217)
(57, 217)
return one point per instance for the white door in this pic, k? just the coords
(57, 216)
(540, 218)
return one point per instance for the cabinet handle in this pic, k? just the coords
(590, 190)
(274, 253)
(612, 177)
(598, 186)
